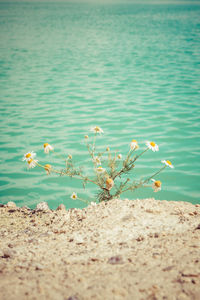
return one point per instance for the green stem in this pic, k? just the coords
(61, 173)
(148, 179)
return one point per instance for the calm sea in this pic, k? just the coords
(132, 69)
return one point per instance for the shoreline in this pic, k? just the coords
(121, 249)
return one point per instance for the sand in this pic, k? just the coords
(122, 249)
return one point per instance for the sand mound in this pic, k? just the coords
(141, 249)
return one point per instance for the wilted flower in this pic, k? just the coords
(167, 163)
(100, 170)
(153, 146)
(47, 148)
(96, 129)
(107, 149)
(109, 183)
(134, 145)
(32, 163)
(97, 160)
(70, 156)
(48, 169)
(29, 155)
(74, 196)
(86, 137)
(156, 185)
(119, 156)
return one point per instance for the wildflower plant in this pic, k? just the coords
(110, 169)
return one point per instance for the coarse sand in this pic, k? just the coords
(121, 249)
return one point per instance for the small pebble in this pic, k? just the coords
(73, 298)
(61, 207)
(8, 253)
(39, 267)
(114, 260)
(198, 227)
(11, 204)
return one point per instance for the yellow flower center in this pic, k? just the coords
(30, 161)
(169, 162)
(158, 183)
(74, 196)
(28, 155)
(109, 181)
(45, 145)
(134, 141)
(97, 128)
(47, 167)
(152, 144)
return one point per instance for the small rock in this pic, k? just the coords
(169, 268)
(61, 207)
(78, 239)
(140, 238)
(25, 208)
(198, 227)
(8, 253)
(39, 267)
(42, 206)
(114, 260)
(11, 204)
(2, 267)
(73, 298)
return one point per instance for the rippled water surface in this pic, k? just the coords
(133, 69)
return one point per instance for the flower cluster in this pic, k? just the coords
(109, 168)
(30, 158)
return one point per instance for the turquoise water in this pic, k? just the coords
(132, 69)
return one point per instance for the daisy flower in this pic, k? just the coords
(74, 196)
(156, 185)
(109, 183)
(119, 156)
(47, 148)
(100, 170)
(48, 169)
(28, 156)
(97, 160)
(96, 129)
(134, 145)
(32, 163)
(167, 163)
(153, 146)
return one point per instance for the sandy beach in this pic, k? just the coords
(122, 249)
